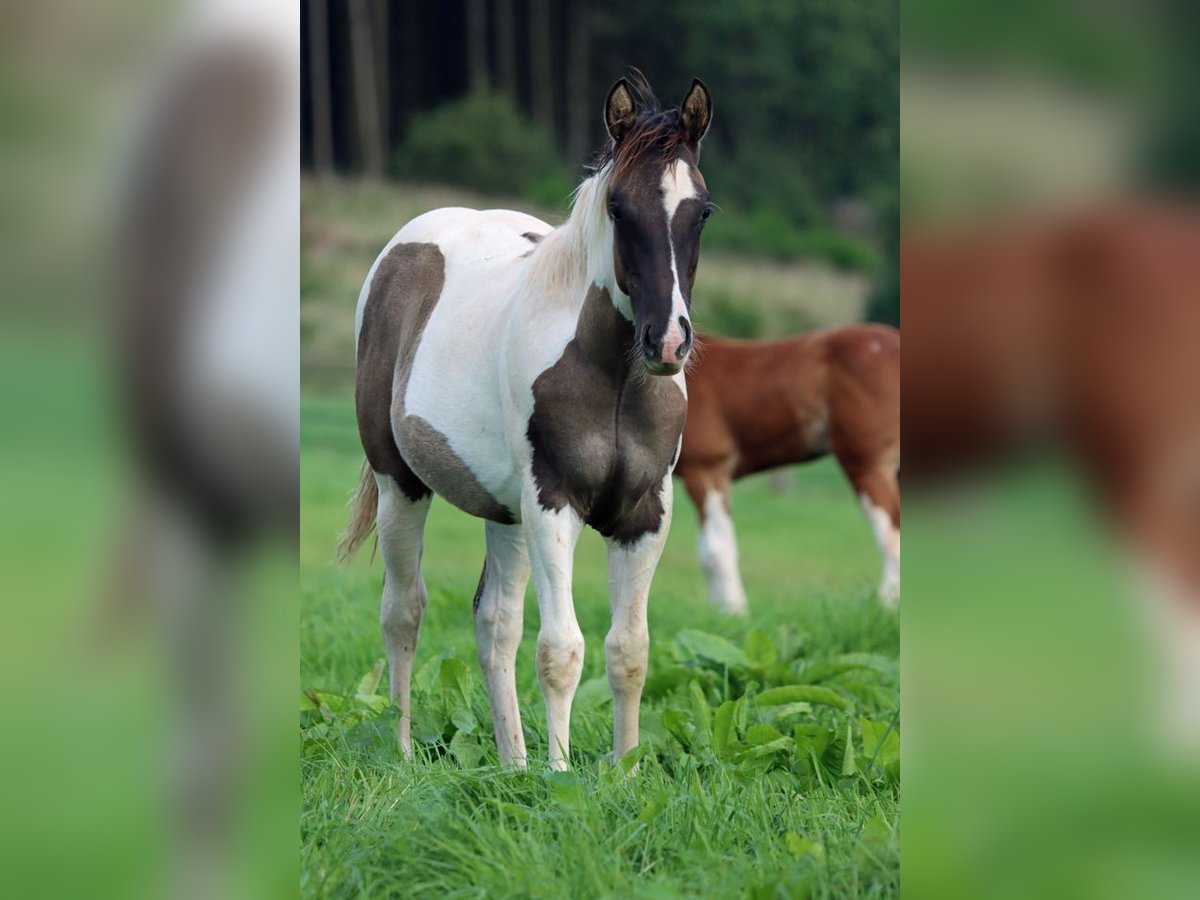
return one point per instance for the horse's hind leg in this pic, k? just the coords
(499, 615)
(400, 523)
(878, 493)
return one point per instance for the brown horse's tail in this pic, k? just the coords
(362, 515)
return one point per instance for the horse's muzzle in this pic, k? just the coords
(666, 357)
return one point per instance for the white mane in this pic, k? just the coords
(577, 254)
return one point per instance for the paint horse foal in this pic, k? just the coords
(503, 365)
(756, 405)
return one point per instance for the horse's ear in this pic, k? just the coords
(696, 113)
(619, 110)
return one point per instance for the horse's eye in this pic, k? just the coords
(707, 212)
(614, 211)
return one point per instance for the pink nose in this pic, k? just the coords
(676, 342)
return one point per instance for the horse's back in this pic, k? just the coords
(869, 354)
(761, 404)
(464, 238)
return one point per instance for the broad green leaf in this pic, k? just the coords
(454, 676)
(781, 746)
(664, 681)
(761, 734)
(879, 742)
(787, 710)
(464, 720)
(801, 693)
(372, 703)
(678, 723)
(811, 736)
(760, 648)
(712, 647)
(428, 674)
(722, 726)
(592, 694)
(466, 749)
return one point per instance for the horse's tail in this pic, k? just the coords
(362, 515)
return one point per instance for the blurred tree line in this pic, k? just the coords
(505, 96)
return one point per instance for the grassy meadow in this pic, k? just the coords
(747, 787)
(769, 763)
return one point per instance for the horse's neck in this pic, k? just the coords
(575, 260)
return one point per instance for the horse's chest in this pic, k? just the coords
(603, 443)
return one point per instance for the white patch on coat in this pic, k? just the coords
(677, 186)
(719, 556)
(887, 536)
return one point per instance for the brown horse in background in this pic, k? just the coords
(1081, 332)
(758, 405)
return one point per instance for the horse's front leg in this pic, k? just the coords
(551, 536)
(631, 568)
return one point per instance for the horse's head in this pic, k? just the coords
(658, 204)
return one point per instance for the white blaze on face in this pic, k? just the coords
(677, 186)
(887, 536)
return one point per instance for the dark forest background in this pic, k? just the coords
(504, 97)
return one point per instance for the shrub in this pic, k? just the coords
(481, 142)
(725, 315)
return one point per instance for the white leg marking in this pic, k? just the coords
(400, 524)
(887, 536)
(552, 537)
(1174, 618)
(498, 624)
(719, 556)
(627, 646)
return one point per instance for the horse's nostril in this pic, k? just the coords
(686, 327)
(647, 342)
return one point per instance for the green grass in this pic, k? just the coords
(737, 793)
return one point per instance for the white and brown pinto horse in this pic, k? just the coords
(757, 405)
(533, 377)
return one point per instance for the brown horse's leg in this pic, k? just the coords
(711, 493)
(878, 493)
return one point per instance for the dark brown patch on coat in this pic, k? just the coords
(404, 291)
(603, 432)
(428, 452)
(406, 287)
